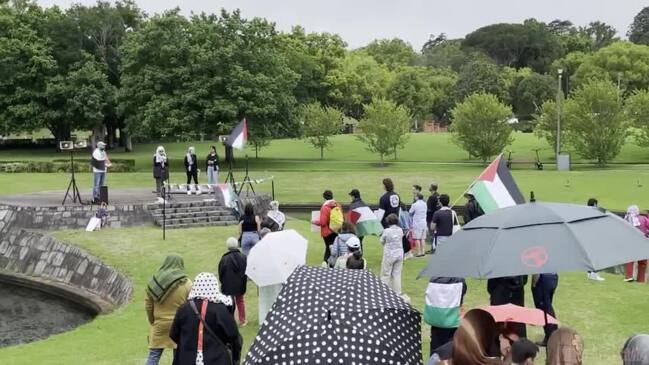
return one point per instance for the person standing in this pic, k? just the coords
(160, 172)
(594, 275)
(389, 202)
(419, 229)
(392, 264)
(339, 247)
(212, 167)
(356, 202)
(232, 275)
(472, 209)
(165, 293)
(191, 169)
(324, 221)
(100, 164)
(443, 221)
(640, 222)
(444, 298)
(416, 191)
(249, 226)
(203, 328)
(543, 288)
(275, 219)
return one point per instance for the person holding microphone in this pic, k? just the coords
(100, 164)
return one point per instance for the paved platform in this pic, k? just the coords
(131, 196)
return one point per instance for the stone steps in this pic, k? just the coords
(192, 214)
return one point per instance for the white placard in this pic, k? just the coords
(315, 215)
(93, 224)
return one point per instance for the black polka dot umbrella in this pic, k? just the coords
(335, 316)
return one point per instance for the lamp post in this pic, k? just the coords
(560, 72)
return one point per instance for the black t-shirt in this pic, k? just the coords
(390, 203)
(443, 220)
(432, 206)
(249, 223)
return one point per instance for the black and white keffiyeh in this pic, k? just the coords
(206, 286)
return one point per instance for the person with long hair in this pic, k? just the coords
(166, 291)
(203, 328)
(160, 171)
(475, 339)
(249, 226)
(640, 222)
(191, 169)
(212, 166)
(565, 347)
(389, 203)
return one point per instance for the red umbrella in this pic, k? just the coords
(518, 314)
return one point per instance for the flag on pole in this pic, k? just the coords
(495, 188)
(365, 221)
(229, 196)
(239, 135)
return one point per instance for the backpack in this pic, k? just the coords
(336, 218)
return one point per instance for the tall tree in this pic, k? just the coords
(384, 127)
(480, 125)
(637, 112)
(639, 29)
(319, 124)
(412, 88)
(622, 61)
(600, 34)
(530, 92)
(481, 77)
(442, 53)
(594, 121)
(357, 81)
(545, 123)
(391, 52)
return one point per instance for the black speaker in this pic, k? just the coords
(103, 194)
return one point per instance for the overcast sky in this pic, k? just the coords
(361, 21)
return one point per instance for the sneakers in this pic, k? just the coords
(595, 276)
(629, 280)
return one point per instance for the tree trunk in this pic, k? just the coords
(321, 153)
(128, 143)
(256, 152)
(382, 162)
(395, 153)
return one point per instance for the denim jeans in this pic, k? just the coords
(99, 180)
(248, 241)
(212, 175)
(154, 356)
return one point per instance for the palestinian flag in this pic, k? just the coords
(239, 135)
(495, 188)
(229, 196)
(365, 221)
(443, 303)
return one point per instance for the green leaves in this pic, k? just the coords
(319, 124)
(384, 127)
(480, 125)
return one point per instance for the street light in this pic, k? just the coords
(560, 72)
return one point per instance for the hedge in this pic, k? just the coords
(118, 165)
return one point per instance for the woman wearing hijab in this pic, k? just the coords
(204, 330)
(641, 222)
(636, 350)
(160, 172)
(565, 347)
(167, 290)
(191, 169)
(274, 218)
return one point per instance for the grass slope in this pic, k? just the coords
(604, 313)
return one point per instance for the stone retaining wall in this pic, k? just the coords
(75, 217)
(40, 261)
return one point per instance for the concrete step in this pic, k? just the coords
(192, 204)
(201, 224)
(205, 213)
(191, 212)
(174, 221)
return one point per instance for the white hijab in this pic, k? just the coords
(160, 155)
(206, 286)
(190, 152)
(632, 214)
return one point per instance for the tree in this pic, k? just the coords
(623, 61)
(637, 112)
(639, 29)
(357, 81)
(569, 37)
(391, 52)
(384, 128)
(259, 135)
(594, 121)
(546, 123)
(439, 52)
(480, 125)
(517, 45)
(319, 124)
(412, 88)
(481, 77)
(600, 34)
(530, 92)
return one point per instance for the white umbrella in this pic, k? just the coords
(273, 259)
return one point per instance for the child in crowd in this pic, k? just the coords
(355, 261)
(392, 264)
(339, 248)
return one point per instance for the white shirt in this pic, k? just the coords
(99, 155)
(418, 213)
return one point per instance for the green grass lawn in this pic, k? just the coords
(604, 313)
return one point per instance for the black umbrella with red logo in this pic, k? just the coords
(537, 238)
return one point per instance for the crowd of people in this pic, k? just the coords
(191, 163)
(197, 318)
